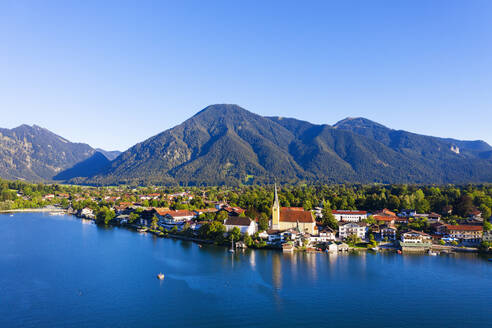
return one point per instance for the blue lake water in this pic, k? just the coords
(59, 271)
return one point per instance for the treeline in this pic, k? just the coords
(449, 200)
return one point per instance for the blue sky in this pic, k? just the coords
(113, 73)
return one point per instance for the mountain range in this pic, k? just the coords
(226, 144)
(36, 154)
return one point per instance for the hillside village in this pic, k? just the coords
(207, 215)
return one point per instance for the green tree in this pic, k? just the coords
(263, 223)
(104, 215)
(221, 216)
(154, 222)
(235, 234)
(248, 240)
(329, 219)
(133, 217)
(352, 240)
(486, 213)
(487, 226)
(371, 220)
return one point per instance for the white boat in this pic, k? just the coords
(431, 253)
(160, 276)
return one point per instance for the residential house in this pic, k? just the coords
(476, 214)
(388, 232)
(385, 216)
(434, 217)
(351, 228)
(465, 233)
(413, 240)
(326, 235)
(277, 236)
(233, 211)
(174, 217)
(245, 224)
(349, 215)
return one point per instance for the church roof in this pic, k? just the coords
(295, 215)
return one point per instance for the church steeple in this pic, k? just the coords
(275, 211)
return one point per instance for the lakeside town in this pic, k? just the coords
(215, 215)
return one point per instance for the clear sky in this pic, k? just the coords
(113, 73)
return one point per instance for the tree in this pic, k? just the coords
(154, 222)
(370, 220)
(352, 240)
(263, 223)
(486, 213)
(487, 226)
(133, 217)
(235, 234)
(104, 215)
(221, 216)
(464, 206)
(329, 219)
(248, 240)
(307, 205)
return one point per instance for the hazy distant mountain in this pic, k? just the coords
(36, 154)
(110, 154)
(86, 168)
(226, 144)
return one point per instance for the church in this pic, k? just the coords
(284, 218)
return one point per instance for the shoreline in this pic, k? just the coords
(35, 210)
(386, 248)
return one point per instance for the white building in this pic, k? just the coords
(415, 237)
(245, 224)
(87, 213)
(349, 216)
(351, 228)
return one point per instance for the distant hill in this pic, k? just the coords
(37, 154)
(86, 168)
(110, 154)
(226, 144)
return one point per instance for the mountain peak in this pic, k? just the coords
(357, 122)
(221, 109)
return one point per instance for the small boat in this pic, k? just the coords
(399, 252)
(142, 229)
(160, 276)
(431, 253)
(199, 245)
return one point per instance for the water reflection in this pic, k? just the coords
(277, 270)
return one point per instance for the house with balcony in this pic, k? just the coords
(351, 228)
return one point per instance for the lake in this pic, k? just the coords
(60, 271)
